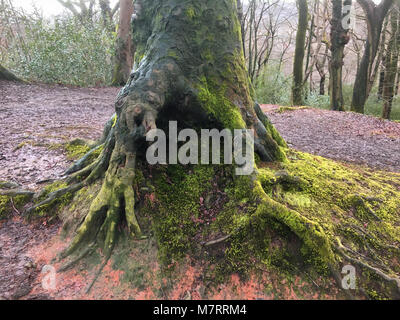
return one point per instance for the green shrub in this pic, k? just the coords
(273, 87)
(373, 105)
(63, 51)
(315, 100)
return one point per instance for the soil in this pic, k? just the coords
(33, 118)
(36, 117)
(343, 136)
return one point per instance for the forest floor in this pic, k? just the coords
(33, 118)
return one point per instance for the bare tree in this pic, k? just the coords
(365, 76)
(339, 39)
(262, 22)
(297, 90)
(124, 51)
(391, 64)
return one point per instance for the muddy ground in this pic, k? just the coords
(33, 118)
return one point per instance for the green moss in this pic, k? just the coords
(214, 101)
(340, 201)
(190, 12)
(288, 109)
(76, 149)
(6, 205)
(179, 190)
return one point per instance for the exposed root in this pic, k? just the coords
(16, 192)
(308, 231)
(84, 162)
(14, 208)
(90, 286)
(342, 251)
(83, 254)
(56, 195)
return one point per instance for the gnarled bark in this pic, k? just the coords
(190, 68)
(190, 65)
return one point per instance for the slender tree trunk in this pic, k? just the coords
(381, 79)
(339, 39)
(391, 63)
(298, 67)
(124, 51)
(375, 18)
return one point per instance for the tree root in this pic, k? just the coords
(342, 251)
(72, 263)
(308, 231)
(56, 195)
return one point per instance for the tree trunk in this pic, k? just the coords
(297, 90)
(375, 17)
(381, 79)
(124, 51)
(339, 39)
(391, 62)
(190, 68)
(7, 75)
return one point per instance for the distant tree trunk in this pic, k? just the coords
(124, 52)
(322, 85)
(396, 92)
(297, 89)
(375, 18)
(242, 24)
(339, 39)
(381, 79)
(7, 75)
(391, 62)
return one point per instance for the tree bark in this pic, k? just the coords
(391, 63)
(7, 75)
(363, 84)
(339, 39)
(297, 90)
(124, 51)
(189, 68)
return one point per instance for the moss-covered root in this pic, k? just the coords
(308, 231)
(86, 163)
(12, 199)
(115, 199)
(346, 253)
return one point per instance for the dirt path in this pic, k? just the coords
(33, 117)
(348, 137)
